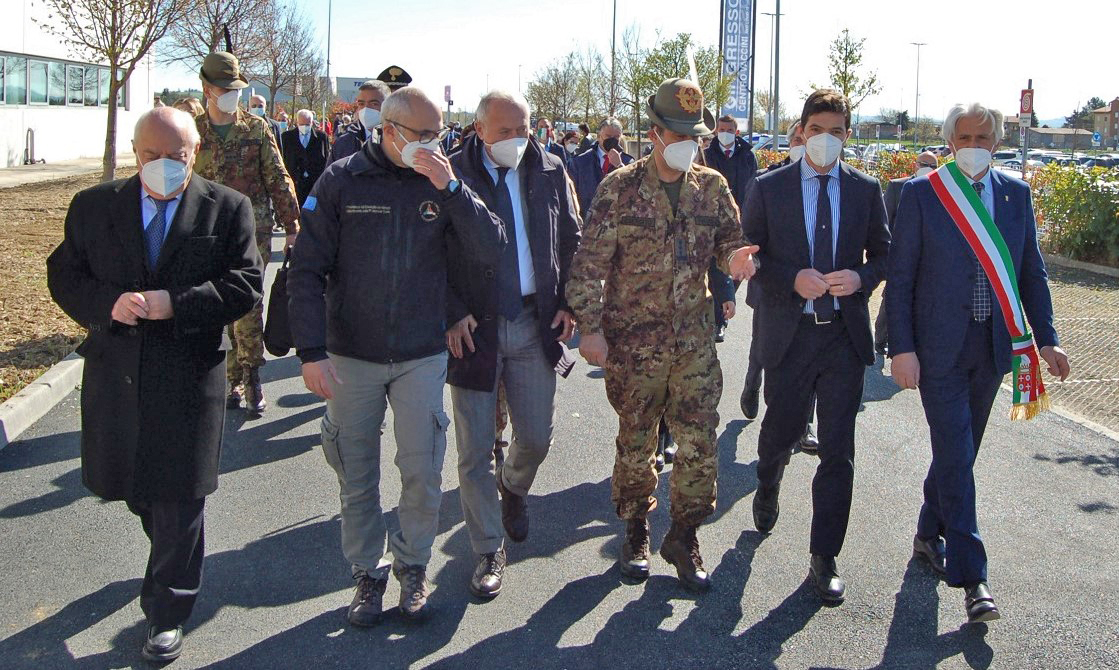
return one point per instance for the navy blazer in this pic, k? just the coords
(932, 274)
(774, 220)
(587, 174)
(553, 226)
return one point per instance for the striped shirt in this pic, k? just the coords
(810, 192)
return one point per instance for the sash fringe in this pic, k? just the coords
(1024, 411)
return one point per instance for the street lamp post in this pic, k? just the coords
(772, 111)
(917, 102)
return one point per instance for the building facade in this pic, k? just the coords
(1105, 121)
(53, 104)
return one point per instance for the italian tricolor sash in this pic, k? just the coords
(966, 210)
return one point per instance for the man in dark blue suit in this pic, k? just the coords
(948, 337)
(605, 157)
(815, 222)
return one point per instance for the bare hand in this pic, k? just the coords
(906, 370)
(593, 349)
(1057, 360)
(159, 305)
(810, 284)
(843, 282)
(319, 376)
(568, 320)
(459, 334)
(615, 157)
(130, 308)
(728, 310)
(435, 166)
(742, 263)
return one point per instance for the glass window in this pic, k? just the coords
(56, 83)
(37, 88)
(103, 78)
(74, 84)
(15, 80)
(90, 86)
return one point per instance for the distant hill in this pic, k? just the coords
(1052, 123)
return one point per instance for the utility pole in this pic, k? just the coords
(329, 83)
(777, 76)
(753, 61)
(771, 112)
(614, 61)
(917, 102)
(1024, 131)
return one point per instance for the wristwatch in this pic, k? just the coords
(452, 187)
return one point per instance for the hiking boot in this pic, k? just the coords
(486, 580)
(254, 392)
(365, 610)
(633, 559)
(413, 590)
(681, 549)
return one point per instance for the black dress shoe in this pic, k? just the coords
(486, 580)
(163, 645)
(720, 334)
(808, 441)
(932, 550)
(828, 584)
(979, 604)
(749, 402)
(514, 513)
(633, 558)
(766, 508)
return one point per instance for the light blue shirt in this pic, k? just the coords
(147, 210)
(988, 194)
(305, 139)
(810, 191)
(520, 215)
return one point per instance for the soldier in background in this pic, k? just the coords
(239, 151)
(652, 229)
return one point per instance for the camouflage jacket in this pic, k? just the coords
(249, 161)
(654, 264)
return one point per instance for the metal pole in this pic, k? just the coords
(1025, 135)
(753, 52)
(329, 84)
(917, 102)
(777, 76)
(614, 62)
(770, 110)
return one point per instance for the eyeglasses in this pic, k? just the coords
(425, 136)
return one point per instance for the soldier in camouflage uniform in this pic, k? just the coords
(653, 228)
(239, 151)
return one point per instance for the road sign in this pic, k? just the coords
(447, 94)
(1096, 137)
(1027, 107)
(877, 132)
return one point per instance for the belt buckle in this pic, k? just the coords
(816, 318)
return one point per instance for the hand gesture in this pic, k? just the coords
(615, 157)
(742, 263)
(435, 166)
(843, 282)
(810, 284)
(130, 308)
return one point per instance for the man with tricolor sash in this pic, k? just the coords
(967, 284)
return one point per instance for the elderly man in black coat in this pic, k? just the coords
(154, 267)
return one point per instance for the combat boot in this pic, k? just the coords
(254, 392)
(681, 549)
(633, 559)
(236, 394)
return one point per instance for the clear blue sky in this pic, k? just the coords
(977, 49)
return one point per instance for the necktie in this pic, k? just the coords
(154, 233)
(605, 165)
(822, 258)
(728, 153)
(981, 293)
(509, 272)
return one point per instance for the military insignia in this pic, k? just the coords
(691, 99)
(395, 72)
(429, 211)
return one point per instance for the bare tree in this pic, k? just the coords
(120, 32)
(554, 90)
(202, 31)
(845, 58)
(291, 53)
(313, 92)
(633, 78)
(593, 94)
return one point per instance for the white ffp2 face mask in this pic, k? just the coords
(227, 102)
(972, 160)
(508, 153)
(303, 130)
(726, 139)
(164, 176)
(370, 118)
(796, 153)
(823, 149)
(679, 155)
(922, 171)
(408, 151)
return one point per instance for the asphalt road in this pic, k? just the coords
(276, 585)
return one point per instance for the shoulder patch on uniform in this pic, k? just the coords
(707, 221)
(429, 211)
(310, 203)
(643, 221)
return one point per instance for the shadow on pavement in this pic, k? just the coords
(253, 442)
(1103, 464)
(36, 451)
(913, 643)
(877, 384)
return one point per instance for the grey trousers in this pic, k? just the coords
(530, 389)
(351, 438)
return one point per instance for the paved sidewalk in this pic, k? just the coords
(30, 174)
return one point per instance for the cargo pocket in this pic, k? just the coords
(330, 450)
(439, 438)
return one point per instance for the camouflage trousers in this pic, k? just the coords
(246, 335)
(683, 385)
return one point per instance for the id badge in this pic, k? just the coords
(681, 249)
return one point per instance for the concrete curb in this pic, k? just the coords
(1076, 418)
(1054, 259)
(23, 409)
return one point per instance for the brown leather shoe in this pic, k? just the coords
(514, 512)
(486, 580)
(633, 559)
(681, 549)
(254, 392)
(413, 590)
(365, 609)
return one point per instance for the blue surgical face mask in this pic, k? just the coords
(256, 111)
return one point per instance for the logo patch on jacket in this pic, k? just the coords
(429, 211)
